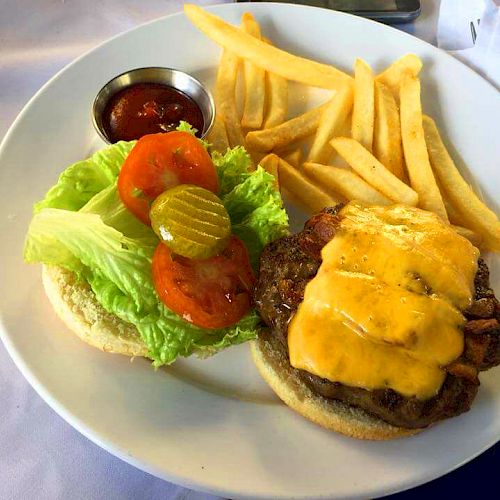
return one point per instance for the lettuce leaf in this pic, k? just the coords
(232, 168)
(251, 200)
(84, 179)
(252, 207)
(83, 226)
(109, 206)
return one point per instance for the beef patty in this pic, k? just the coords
(287, 265)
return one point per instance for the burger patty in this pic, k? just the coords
(288, 264)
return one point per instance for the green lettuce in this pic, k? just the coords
(83, 226)
(84, 179)
(109, 206)
(252, 208)
(251, 200)
(232, 168)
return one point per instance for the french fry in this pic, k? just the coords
(453, 214)
(277, 103)
(270, 164)
(217, 136)
(266, 56)
(255, 81)
(225, 97)
(306, 193)
(373, 172)
(415, 150)
(363, 108)
(387, 146)
(475, 238)
(346, 183)
(294, 158)
(286, 133)
(472, 211)
(393, 75)
(330, 124)
(276, 98)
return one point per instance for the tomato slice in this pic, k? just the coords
(160, 161)
(210, 293)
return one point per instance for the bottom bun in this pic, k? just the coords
(76, 305)
(331, 414)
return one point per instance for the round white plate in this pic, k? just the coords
(214, 425)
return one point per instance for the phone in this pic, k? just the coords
(386, 11)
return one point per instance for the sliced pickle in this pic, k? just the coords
(191, 221)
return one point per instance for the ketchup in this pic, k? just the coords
(149, 108)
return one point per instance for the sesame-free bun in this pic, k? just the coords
(334, 415)
(76, 305)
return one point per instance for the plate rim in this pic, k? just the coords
(108, 445)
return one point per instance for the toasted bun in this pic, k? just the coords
(333, 415)
(76, 305)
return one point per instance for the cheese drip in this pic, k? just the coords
(383, 310)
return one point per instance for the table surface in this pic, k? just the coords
(42, 456)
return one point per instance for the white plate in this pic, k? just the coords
(214, 425)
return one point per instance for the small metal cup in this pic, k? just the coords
(166, 76)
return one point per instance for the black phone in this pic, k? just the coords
(386, 11)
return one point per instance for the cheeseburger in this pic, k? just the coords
(379, 320)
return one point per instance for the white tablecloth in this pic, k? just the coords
(41, 456)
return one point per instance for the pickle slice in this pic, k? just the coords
(191, 221)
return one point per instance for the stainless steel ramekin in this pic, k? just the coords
(166, 76)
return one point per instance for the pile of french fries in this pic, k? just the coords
(371, 141)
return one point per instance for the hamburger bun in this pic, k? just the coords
(75, 303)
(331, 414)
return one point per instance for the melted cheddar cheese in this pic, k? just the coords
(384, 310)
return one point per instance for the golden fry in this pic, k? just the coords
(363, 111)
(263, 55)
(475, 238)
(286, 133)
(277, 98)
(270, 164)
(255, 81)
(294, 158)
(330, 124)
(453, 214)
(415, 150)
(393, 75)
(472, 211)
(277, 103)
(307, 194)
(225, 97)
(373, 172)
(387, 146)
(346, 183)
(217, 136)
